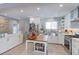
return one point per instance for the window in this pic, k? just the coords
(51, 25)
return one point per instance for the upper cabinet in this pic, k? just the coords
(75, 24)
(72, 15)
(67, 21)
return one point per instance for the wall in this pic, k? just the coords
(3, 24)
(8, 24)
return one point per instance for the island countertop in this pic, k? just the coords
(41, 38)
(73, 36)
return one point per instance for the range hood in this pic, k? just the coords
(75, 20)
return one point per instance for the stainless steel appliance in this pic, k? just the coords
(68, 44)
(68, 41)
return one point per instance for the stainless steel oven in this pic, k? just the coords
(68, 44)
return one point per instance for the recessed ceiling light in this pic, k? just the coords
(21, 11)
(38, 9)
(61, 5)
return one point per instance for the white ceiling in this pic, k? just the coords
(30, 9)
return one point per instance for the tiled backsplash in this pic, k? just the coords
(71, 31)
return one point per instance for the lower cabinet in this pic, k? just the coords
(58, 39)
(9, 42)
(75, 46)
(61, 38)
(53, 39)
(3, 45)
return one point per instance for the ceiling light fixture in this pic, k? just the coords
(38, 9)
(61, 5)
(21, 11)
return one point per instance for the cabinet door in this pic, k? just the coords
(3, 45)
(75, 51)
(20, 38)
(13, 40)
(67, 21)
(61, 38)
(75, 24)
(53, 39)
(10, 42)
(75, 46)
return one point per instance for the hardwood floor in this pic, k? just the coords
(53, 49)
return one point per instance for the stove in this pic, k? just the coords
(68, 44)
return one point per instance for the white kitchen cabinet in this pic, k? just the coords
(13, 40)
(74, 24)
(3, 45)
(70, 17)
(61, 26)
(9, 42)
(20, 38)
(75, 46)
(61, 38)
(74, 14)
(67, 21)
(53, 38)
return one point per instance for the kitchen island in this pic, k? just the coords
(40, 44)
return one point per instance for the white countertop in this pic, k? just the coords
(75, 39)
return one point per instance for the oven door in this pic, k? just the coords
(66, 44)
